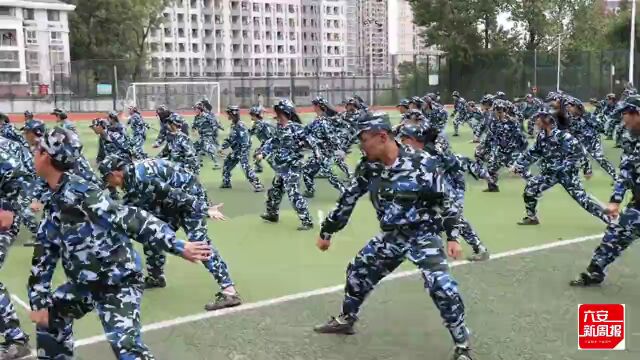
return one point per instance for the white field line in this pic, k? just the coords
(327, 290)
(19, 301)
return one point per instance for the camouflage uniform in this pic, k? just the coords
(319, 131)
(459, 113)
(239, 141)
(112, 141)
(12, 186)
(263, 131)
(622, 233)
(207, 127)
(63, 120)
(284, 153)
(413, 205)
(560, 155)
(177, 198)
(531, 106)
(438, 117)
(179, 148)
(507, 143)
(90, 234)
(586, 129)
(138, 134)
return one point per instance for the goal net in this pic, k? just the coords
(175, 95)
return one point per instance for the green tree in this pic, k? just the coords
(114, 29)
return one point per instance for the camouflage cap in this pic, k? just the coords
(111, 163)
(631, 104)
(36, 126)
(199, 106)
(456, 93)
(175, 119)
(59, 112)
(256, 110)
(403, 102)
(374, 122)
(62, 145)
(28, 113)
(103, 123)
(416, 100)
(487, 99)
(287, 107)
(542, 113)
(413, 131)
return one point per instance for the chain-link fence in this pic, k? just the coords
(100, 85)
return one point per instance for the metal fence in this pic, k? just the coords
(99, 85)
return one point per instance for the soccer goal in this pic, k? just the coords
(175, 95)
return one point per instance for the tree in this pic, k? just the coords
(114, 29)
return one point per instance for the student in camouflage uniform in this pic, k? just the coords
(262, 130)
(179, 148)
(8, 131)
(12, 187)
(91, 234)
(239, 141)
(111, 140)
(163, 114)
(207, 127)
(474, 117)
(586, 128)
(507, 141)
(622, 233)
(560, 156)
(413, 204)
(531, 106)
(611, 100)
(28, 115)
(177, 198)
(63, 120)
(459, 112)
(486, 128)
(138, 132)
(319, 131)
(403, 107)
(454, 167)
(284, 152)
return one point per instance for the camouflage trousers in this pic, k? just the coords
(288, 180)
(616, 239)
(314, 166)
(593, 147)
(9, 323)
(498, 160)
(231, 161)
(385, 252)
(118, 308)
(342, 165)
(483, 152)
(137, 146)
(467, 232)
(195, 227)
(619, 134)
(207, 147)
(460, 119)
(570, 181)
(531, 126)
(610, 126)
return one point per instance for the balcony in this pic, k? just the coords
(9, 59)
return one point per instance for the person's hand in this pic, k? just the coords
(36, 206)
(454, 250)
(613, 210)
(40, 317)
(259, 156)
(215, 213)
(197, 251)
(6, 219)
(323, 244)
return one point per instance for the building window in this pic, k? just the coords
(208, 47)
(9, 59)
(56, 37)
(9, 77)
(8, 38)
(57, 57)
(194, 18)
(6, 11)
(31, 37)
(181, 47)
(256, 7)
(27, 14)
(279, 8)
(53, 15)
(194, 47)
(32, 59)
(194, 33)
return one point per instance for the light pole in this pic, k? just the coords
(368, 22)
(632, 40)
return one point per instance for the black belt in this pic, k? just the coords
(406, 227)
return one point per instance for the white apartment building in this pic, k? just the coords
(373, 36)
(215, 38)
(34, 43)
(406, 40)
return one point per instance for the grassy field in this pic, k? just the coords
(519, 306)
